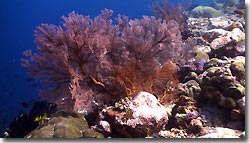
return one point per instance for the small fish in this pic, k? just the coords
(240, 47)
(187, 110)
(97, 82)
(192, 115)
(41, 119)
(240, 11)
(24, 104)
(201, 64)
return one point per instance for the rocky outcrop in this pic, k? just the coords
(144, 116)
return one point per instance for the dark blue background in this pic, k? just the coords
(18, 21)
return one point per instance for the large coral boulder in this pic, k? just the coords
(65, 125)
(147, 111)
(144, 116)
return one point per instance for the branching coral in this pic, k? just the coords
(169, 11)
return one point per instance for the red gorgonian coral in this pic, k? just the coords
(73, 57)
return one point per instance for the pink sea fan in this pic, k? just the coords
(82, 49)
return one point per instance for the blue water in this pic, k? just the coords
(18, 21)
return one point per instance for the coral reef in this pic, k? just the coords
(143, 77)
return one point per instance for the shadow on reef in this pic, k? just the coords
(25, 123)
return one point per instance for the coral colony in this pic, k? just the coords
(123, 59)
(180, 74)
